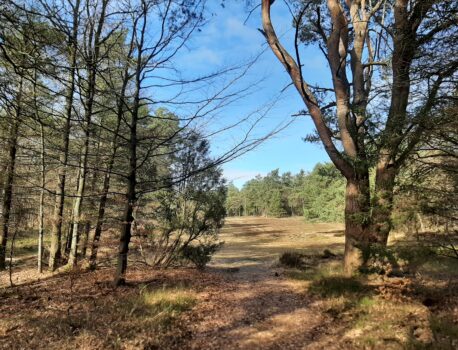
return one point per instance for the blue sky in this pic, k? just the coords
(227, 40)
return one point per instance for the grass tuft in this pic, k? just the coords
(160, 306)
(170, 301)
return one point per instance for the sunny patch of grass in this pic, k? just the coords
(366, 302)
(26, 244)
(374, 322)
(142, 318)
(317, 272)
(381, 323)
(171, 301)
(160, 306)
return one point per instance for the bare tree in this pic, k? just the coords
(93, 39)
(15, 118)
(71, 32)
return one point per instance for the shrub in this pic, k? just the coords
(394, 260)
(200, 255)
(291, 259)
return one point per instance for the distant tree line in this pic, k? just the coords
(426, 193)
(318, 195)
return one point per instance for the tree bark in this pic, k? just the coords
(56, 233)
(91, 63)
(356, 223)
(120, 107)
(131, 194)
(349, 164)
(42, 202)
(123, 248)
(386, 168)
(74, 233)
(9, 179)
(91, 205)
(383, 202)
(128, 218)
(95, 238)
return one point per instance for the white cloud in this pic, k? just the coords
(202, 56)
(234, 28)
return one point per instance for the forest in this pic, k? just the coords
(318, 196)
(120, 229)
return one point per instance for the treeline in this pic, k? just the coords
(426, 193)
(318, 195)
(88, 141)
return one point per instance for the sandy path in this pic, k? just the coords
(255, 307)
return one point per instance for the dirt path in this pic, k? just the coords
(256, 310)
(256, 307)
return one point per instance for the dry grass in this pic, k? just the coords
(244, 300)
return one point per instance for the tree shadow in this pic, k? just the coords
(90, 313)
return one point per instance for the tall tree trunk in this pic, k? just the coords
(68, 237)
(9, 179)
(95, 238)
(383, 202)
(357, 200)
(74, 233)
(403, 53)
(131, 195)
(91, 205)
(123, 248)
(137, 41)
(42, 202)
(56, 233)
(42, 173)
(93, 45)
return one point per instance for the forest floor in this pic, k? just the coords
(243, 300)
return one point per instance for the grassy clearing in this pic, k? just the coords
(26, 243)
